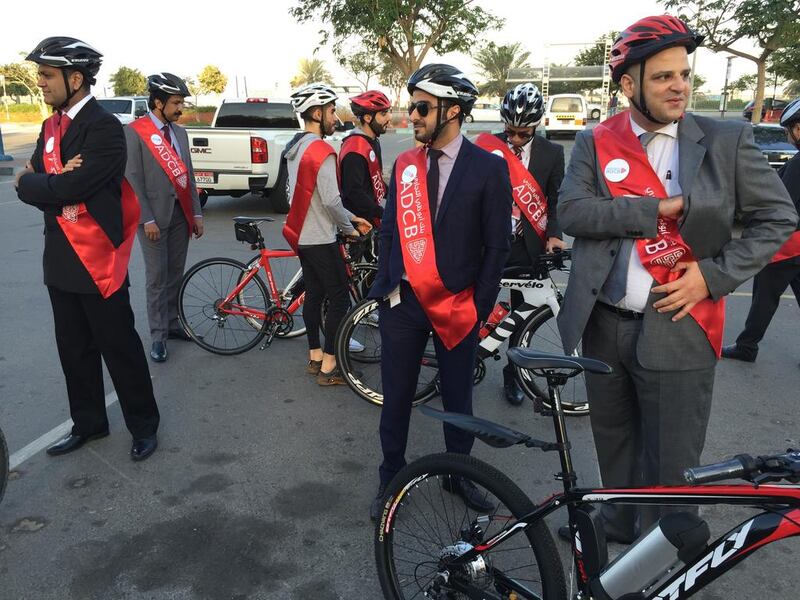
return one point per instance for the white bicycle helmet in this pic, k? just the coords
(314, 94)
(791, 113)
(523, 106)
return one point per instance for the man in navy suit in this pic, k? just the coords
(444, 239)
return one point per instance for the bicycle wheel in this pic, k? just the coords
(213, 325)
(540, 332)
(289, 281)
(362, 369)
(424, 527)
(4, 467)
(363, 277)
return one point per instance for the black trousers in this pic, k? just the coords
(768, 285)
(89, 328)
(405, 330)
(325, 275)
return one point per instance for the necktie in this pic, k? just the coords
(433, 181)
(617, 282)
(63, 123)
(167, 135)
(518, 151)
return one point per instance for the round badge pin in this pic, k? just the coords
(498, 152)
(372, 155)
(156, 139)
(617, 170)
(50, 144)
(409, 174)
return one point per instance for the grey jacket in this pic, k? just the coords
(326, 214)
(722, 173)
(154, 189)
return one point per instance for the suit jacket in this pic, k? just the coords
(155, 191)
(97, 136)
(547, 167)
(472, 231)
(721, 173)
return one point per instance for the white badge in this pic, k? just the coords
(617, 170)
(409, 174)
(50, 144)
(372, 155)
(498, 152)
(156, 139)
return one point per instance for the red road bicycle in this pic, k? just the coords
(430, 544)
(226, 308)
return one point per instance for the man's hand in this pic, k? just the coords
(152, 232)
(197, 228)
(363, 226)
(671, 208)
(683, 293)
(28, 169)
(553, 244)
(72, 164)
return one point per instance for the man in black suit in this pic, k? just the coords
(90, 216)
(534, 226)
(444, 240)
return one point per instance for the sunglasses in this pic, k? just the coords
(523, 135)
(422, 108)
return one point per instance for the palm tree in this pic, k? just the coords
(312, 70)
(494, 63)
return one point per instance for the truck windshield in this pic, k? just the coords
(257, 115)
(115, 106)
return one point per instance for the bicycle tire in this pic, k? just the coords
(400, 552)
(298, 322)
(362, 370)
(4, 466)
(199, 312)
(548, 339)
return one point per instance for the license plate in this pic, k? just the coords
(203, 177)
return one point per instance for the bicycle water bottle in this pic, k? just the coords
(499, 313)
(676, 539)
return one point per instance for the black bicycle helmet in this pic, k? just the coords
(68, 53)
(523, 106)
(445, 81)
(169, 84)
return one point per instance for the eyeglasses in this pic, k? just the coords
(523, 135)
(422, 107)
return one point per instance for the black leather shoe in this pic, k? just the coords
(511, 390)
(178, 334)
(467, 491)
(159, 351)
(737, 352)
(376, 508)
(143, 447)
(73, 442)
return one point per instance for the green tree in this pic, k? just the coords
(363, 65)
(744, 83)
(211, 80)
(494, 62)
(786, 62)
(392, 77)
(311, 70)
(193, 86)
(21, 78)
(792, 89)
(128, 82)
(698, 81)
(403, 31)
(594, 55)
(769, 25)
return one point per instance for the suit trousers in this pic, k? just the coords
(164, 261)
(648, 425)
(768, 285)
(405, 330)
(89, 328)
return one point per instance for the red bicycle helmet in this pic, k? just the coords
(369, 102)
(647, 37)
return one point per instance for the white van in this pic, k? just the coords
(566, 113)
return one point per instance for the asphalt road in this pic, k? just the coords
(261, 484)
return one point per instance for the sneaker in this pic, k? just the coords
(355, 346)
(333, 378)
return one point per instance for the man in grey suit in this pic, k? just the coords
(654, 255)
(159, 169)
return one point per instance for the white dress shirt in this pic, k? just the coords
(73, 112)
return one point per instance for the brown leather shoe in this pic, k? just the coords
(333, 378)
(314, 367)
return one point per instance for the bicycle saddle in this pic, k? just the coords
(530, 359)
(252, 219)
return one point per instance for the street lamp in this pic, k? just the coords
(723, 102)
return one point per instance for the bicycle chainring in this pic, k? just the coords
(280, 319)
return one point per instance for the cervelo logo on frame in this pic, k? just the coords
(617, 169)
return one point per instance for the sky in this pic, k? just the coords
(261, 43)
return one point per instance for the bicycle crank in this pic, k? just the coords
(279, 321)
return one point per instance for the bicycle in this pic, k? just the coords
(4, 465)
(531, 324)
(429, 544)
(226, 308)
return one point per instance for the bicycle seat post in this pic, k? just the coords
(567, 475)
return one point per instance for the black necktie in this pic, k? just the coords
(433, 181)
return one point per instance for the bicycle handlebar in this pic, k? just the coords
(744, 466)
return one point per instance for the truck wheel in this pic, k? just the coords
(278, 197)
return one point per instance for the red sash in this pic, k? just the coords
(790, 248)
(360, 145)
(527, 192)
(627, 172)
(170, 162)
(452, 315)
(107, 264)
(310, 163)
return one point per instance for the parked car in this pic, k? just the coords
(565, 113)
(771, 140)
(240, 152)
(484, 111)
(773, 104)
(126, 108)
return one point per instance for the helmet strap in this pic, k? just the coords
(641, 106)
(440, 123)
(795, 140)
(68, 89)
